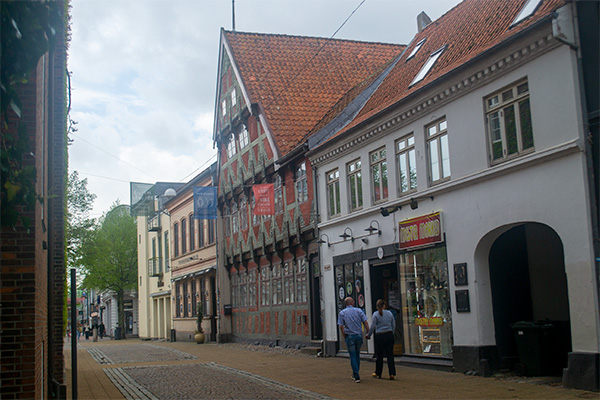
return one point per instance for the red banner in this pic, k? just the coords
(264, 199)
(421, 231)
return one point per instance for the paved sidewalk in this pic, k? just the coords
(237, 368)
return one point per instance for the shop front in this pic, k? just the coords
(412, 277)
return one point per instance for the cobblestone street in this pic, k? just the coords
(135, 369)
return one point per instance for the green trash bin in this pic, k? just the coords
(534, 344)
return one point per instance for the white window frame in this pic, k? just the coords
(406, 160)
(416, 49)
(428, 65)
(513, 99)
(438, 151)
(265, 283)
(279, 201)
(334, 204)
(301, 281)
(355, 194)
(243, 137)
(301, 183)
(243, 212)
(231, 148)
(224, 107)
(528, 9)
(235, 223)
(378, 165)
(233, 98)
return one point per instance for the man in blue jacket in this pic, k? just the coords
(351, 321)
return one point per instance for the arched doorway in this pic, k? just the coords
(528, 283)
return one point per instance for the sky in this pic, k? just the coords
(143, 76)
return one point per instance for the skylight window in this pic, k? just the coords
(428, 65)
(416, 49)
(527, 10)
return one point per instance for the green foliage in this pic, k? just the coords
(109, 255)
(200, 317)
(79, 226)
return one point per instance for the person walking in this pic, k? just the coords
(383, 324)
(101, 330)
(351, 321)
(86, 331)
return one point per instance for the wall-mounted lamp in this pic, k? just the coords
(365, 240)
(321, 241)
(414, 204)
(385, 211)
(372, 229)
(345, 235)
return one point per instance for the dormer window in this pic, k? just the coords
(428, 65)
(416, 49)
(528, 9)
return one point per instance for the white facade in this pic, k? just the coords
(544, 191)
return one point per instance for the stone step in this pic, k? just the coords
(310, 350)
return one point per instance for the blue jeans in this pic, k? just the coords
(353, 343)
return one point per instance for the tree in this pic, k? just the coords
(109, 256)
(79, 224)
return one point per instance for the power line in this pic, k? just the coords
(194, 171)
(112, 155)
(100, 176)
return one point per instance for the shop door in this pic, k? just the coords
(349, 282)
(385, 285)
(315, 300)
(128, 322)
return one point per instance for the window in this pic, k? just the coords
(277, 285)
(355, 185)
(192, 234)
(301, 282)
(243, 289)
(224, 107)
(231, 150)
(233, 98)
(154, 260)
(428, 65)
(415, 49)
(278, 195)
(288, 282)
(167, 256)
(178, 310)
(234, 289)
(186, 299)
(509, 122)
(407, 164)
(201, 233)
(183, 237)
(265, 284)
(333, 192)
(439, 156)
(255, 218)
(528, 9)
(243, 212)
(243, 137)
(211, 231)
(235, 224)
(301, 183)
(226, 221)
(252, 282)
(194, 298)
(176, 239)
(160, 251)
(379, 175)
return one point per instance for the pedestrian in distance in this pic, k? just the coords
(383, 324)
(101, 330)
(86, 331)
(351, 321)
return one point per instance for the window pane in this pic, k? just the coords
(384, 180)
(526, 130)
(376, 181)
(412, 162)
(359, 188)
(443, 125)
(445, 156)
(403, 172)
(510, 126)
(496, 135)
(331, 200)
(435, 164)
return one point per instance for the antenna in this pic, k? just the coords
(233, 14)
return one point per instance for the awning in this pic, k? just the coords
(194, 274)
(163, 293)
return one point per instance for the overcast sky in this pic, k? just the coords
(143, 76)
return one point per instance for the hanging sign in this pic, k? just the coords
(264, 198)
(205, 202)
(421, 231)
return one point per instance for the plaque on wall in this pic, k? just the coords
(460, 274)
(462, 301)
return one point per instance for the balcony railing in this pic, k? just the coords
(155, 266)
(154, 223)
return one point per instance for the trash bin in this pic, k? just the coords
(118, 333)
(173, 335)
(534, 344)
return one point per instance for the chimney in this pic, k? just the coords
(422, 21)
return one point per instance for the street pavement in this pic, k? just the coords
(137, 369)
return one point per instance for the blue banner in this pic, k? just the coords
(205, 202)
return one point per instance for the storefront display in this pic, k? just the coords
(426, 313)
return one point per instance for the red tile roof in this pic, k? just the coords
(298, 80)
(469, 29)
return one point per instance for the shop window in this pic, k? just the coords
(333, 192)
(288, 282)
(508, 117)
(252, 282)
(277, 288)
(407, 164)
(243, 289)
(427, 317)
(379, 177)
(186, 299)
(301, 281)
(178, 310)
(439, 153)
(234, 289)
(265, 284)
(349, 282)
(194, 298)
(355, 185)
